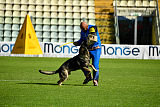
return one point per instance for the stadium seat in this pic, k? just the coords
(131, 3)
(54, 21)
(69, 40)
(39, 34)
(61, 15)
(39, 14)
(7, 27)
(83, 9)
(33, 19)
(39, 21)
(68, 8)
(1, 13)
(54, 28)
(76, 39)
(24, 1)
(23, 13)
(61, 9)
(54, 2)
(61, 35)
(77, 35)
(91, 9)
(68, 2)
(54, 40)
(31, 8)
(91, 15)
(76, 9)
(1, 27)
(83, 3)
(8, 1)
(47, 2)
(152, 3)
(118, 3)
(46, 40)
(61, 40)
(92, 22)
(54, 14)
(91, 3)
(1, 19)
(76, 15)
(7, 33)
(31, 13)
(46, 7)
(76, 2)
(32, 2)
(123, 3)
(8, 13)
(38, 28)
(22, 20)
(24, 7)
(39, 2)
(54, 35)
(145, 3)
(46, 28)
(61, 2)
(1, 33)
(16, 1)
(16, 7)
(40, 39)
(61, 28)
(16, 14)
(69, 29)
(77, 29)
(46, 35)
(76, 21)
(61, 22)
(68, 15)
(7, 39)
(39, 8)
(54, 8)
(83, 15)
(69, 35)
(15, 27)
(46, 14)
(69, 22)
(14, 39)
(16, 20)
(1, 39)
(8, 6)
(46, 21)
(15, 33)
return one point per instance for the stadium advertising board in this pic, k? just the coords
(108, 50)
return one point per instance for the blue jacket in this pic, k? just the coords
(84, 35)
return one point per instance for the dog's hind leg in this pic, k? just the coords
(63, 76)
(48, 72)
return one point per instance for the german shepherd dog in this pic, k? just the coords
(80, 61)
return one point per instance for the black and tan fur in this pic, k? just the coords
(80, 61)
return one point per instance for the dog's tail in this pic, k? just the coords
(48, 72)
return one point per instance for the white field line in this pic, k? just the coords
(12, 80)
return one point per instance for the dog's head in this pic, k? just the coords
(84, 48)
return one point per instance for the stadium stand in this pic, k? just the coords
(58, 20)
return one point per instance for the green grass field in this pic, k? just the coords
(123, 83)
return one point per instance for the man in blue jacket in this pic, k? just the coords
(94, 49)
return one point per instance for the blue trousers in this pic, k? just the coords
(95, 56)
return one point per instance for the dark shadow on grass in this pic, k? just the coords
(56, 84)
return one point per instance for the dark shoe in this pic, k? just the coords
(87, 80)
(95, 82)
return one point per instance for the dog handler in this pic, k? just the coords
(94, 49)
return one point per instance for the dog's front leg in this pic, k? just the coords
(92, 67)
(87, 69)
